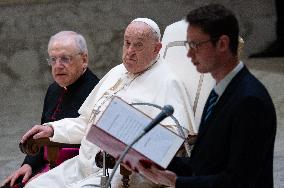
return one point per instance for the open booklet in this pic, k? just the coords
(121, 123)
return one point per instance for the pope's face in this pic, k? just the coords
(139, 47)
(68, 64)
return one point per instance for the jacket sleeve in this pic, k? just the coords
(36, 162)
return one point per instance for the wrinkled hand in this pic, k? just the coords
(156, 174)
(38, 131)
(25, 171)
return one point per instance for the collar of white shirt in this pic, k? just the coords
(221, 86)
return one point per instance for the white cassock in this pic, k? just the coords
(157, 85)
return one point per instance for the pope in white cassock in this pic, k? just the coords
(142, 77)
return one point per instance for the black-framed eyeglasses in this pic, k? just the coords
(192, 45)
(65, 59)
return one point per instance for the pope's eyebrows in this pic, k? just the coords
(139, 39)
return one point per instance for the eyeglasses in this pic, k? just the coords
(65, 59)
(194, 45)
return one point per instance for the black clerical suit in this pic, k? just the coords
(234, 148)
(62, 103)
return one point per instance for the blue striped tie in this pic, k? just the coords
(211, 101)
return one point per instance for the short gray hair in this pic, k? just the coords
(78, 38)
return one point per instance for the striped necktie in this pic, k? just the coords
(211, 101)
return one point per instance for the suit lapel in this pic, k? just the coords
(224, 98)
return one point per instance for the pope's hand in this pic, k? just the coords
(38, 131)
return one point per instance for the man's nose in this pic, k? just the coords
(131, 49)
(190, 53)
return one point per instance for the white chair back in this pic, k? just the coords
(174, 53)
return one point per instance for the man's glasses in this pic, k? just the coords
(195, 45)
(65, 59)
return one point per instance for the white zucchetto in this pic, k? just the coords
(150, 23)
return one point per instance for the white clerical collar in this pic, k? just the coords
(152, 64)
(221, 86)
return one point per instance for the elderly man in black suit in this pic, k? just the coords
(73, 82)
(236, 137)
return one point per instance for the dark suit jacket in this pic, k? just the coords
(71, 101)
(234, 148)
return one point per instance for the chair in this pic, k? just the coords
(174, 53)
(32, 147)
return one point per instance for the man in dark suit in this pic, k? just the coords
(73, 82)
(234, 147)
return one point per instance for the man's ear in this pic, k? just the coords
(223, 43)
(158, 47)
(84, 62)
(85, 59)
